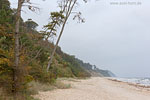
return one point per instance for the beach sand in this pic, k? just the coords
(97, 88)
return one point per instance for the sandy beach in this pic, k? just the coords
(97, 88)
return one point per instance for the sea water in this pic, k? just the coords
(140, 81)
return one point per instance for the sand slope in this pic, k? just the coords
(97, 89)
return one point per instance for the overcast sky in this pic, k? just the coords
(115, 36)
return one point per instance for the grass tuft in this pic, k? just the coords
(35, 87)
(60, 85)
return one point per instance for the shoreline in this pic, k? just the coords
(97, 88)
(132, 84)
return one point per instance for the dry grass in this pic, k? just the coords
(60, 85)
(68, 79)
(6, 96)
(35, 87)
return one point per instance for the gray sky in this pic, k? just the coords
(114, 37)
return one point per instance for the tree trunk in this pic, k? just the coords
(51, 58)
(62, 29)
(16, 84)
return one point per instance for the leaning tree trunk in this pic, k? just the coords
(51, 58)
(61, 32)
(16, 83)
